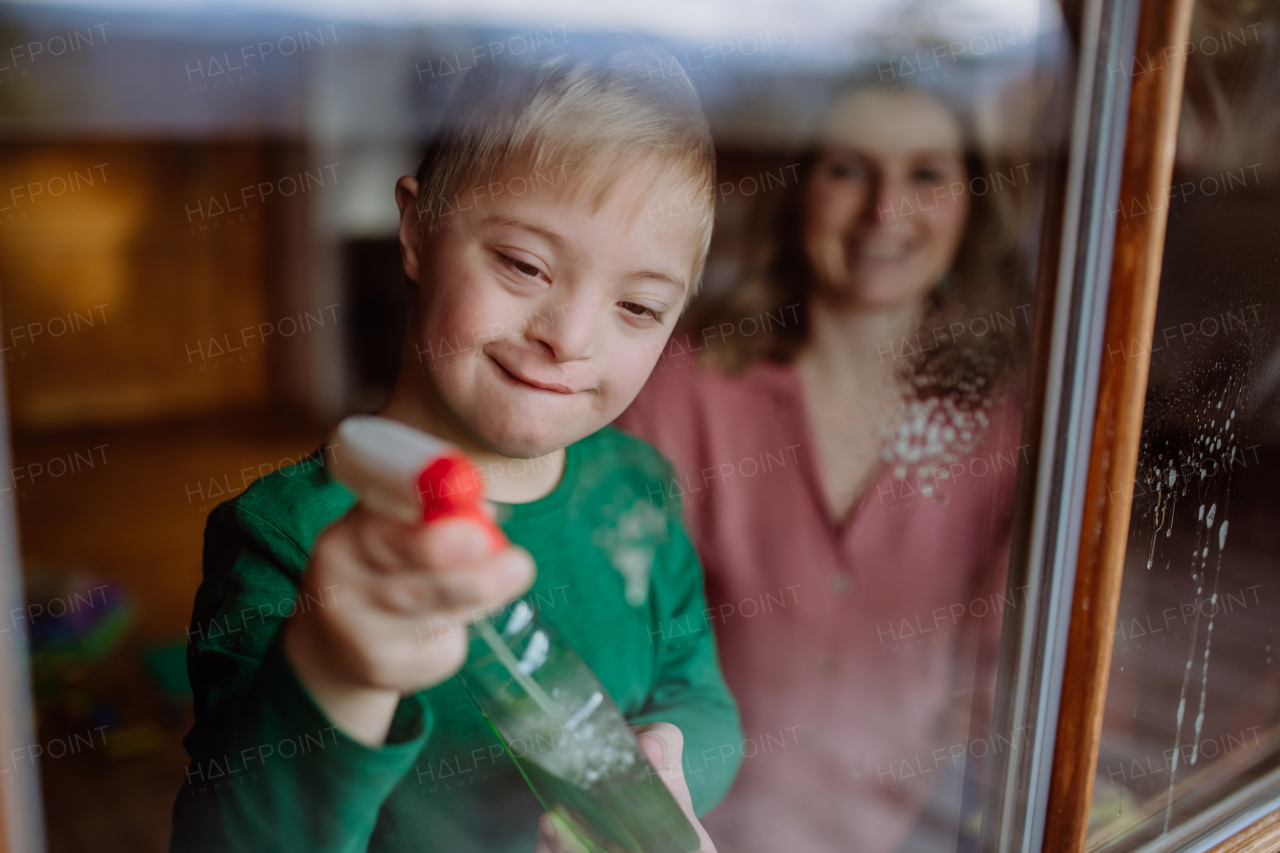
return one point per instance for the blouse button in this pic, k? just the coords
(842, 582)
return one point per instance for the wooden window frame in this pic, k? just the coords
(1147, 170)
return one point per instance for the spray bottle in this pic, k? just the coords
(560, 726)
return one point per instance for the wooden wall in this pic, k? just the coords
(118, 283)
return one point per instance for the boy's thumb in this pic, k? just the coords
(662, 744)
(654, 749)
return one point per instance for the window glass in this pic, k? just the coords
(1191, 709)
(201, 275)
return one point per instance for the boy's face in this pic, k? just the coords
(539, 321)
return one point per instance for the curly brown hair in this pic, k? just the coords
(981, 287)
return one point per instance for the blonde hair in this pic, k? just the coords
(590, 113)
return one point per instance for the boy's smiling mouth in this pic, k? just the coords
(514, 374)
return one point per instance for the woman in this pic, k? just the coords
(845, 447)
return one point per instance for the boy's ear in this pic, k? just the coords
(410, 226)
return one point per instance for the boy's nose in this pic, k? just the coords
(566, 329)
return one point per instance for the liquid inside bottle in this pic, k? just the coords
(569, 739)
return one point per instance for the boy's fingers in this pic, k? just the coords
(454, 542)
(555, 837)
(493, 581)
(390, 545)
(384, 547)
(383, 544)
(653, 749)
(663, 745)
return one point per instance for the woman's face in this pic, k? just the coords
(886, 202)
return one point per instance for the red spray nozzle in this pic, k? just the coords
(405, 473)
(451, 487)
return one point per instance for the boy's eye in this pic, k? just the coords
(520, 266)
(927, 174)
(641, 310)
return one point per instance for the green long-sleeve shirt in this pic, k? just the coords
(616, 575)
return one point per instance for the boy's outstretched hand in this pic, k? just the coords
(402, 598)
(663, 744)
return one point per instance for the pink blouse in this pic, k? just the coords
(852, 650)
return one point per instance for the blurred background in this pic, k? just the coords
(199, 277)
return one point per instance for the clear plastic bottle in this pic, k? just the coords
(561, 727)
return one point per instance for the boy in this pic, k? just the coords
(554, 232)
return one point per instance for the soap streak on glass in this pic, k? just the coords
(1209, 441)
